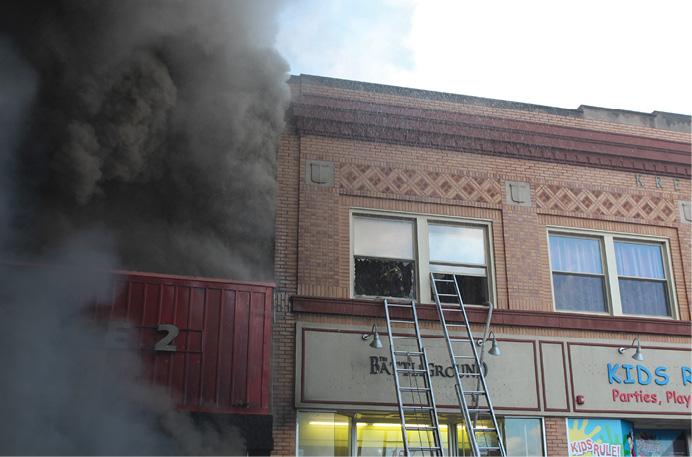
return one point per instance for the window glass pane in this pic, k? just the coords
(483, 439)
(383, 238)
(661, 442)
(579, 293)
(323, 434)
(450, 243)
(385, 439)
(643, 297)
(384, 278)
(523, 436)
(474, 289)
(577, 255)
(639, 260)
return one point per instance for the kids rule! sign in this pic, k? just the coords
(600, 437)
(606, 381)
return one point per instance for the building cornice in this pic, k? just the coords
(488, 135)
(508, 317)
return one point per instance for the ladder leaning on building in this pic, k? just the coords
(416, 400)
(448, 299)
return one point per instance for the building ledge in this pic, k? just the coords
(516, 318)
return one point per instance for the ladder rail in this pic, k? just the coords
(481, 384)
(422, 353)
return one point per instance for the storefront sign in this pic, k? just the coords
(335, 368)
(598, 437)
(644, 377)
(616, 383)
(382, 365)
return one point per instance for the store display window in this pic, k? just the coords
(372, 434)
(660, 442)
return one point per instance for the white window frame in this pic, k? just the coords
(421, 247)
(607, 241)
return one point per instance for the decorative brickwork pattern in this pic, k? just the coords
(399, 182)
(600, 203)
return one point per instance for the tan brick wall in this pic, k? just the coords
(372, 175)
(556, 437)
(313, 234)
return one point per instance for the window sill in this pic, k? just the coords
(519, 318)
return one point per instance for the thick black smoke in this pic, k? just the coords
(140, 135)
(158, 120)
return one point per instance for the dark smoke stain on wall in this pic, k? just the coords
(157, 121)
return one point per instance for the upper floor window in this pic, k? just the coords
(383, 257)
(610, 273)
(393, 255)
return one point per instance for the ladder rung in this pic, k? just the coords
(400, 305)
(469, 374)
(414, 389)
(399, 321)
(416, 353)
(416, 449)
(464, 356)
(447, 295)
(410, 370)
(479, 410)
(475, 392)
(411, 337)
(418, 427)
(442, 280)
(482, 430)
(487, 448)
(414, 408)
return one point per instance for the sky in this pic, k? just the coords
(631, 55)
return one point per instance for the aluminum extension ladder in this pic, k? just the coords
(414, 391)
(474, 399)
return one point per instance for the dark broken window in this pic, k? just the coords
(474, 289)
(385, 278)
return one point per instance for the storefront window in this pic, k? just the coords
(521, 436)
(328, 433)
(385, 439)
(323, 434)
(660, 442)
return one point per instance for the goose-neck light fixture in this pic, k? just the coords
(376, 343)
(637, 354)
(494, 348)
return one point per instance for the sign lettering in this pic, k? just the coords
(381, 365)
(644, 378)
(657, 182)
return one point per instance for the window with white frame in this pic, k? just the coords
(610, 273)
(394, 253)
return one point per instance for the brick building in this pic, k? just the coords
(574, 224)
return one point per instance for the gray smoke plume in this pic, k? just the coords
(156, 119)
(139, 135)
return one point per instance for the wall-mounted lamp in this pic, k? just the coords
(376, 343)
(637, 354)
(494, 349)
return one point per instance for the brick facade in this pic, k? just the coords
(455, 160)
